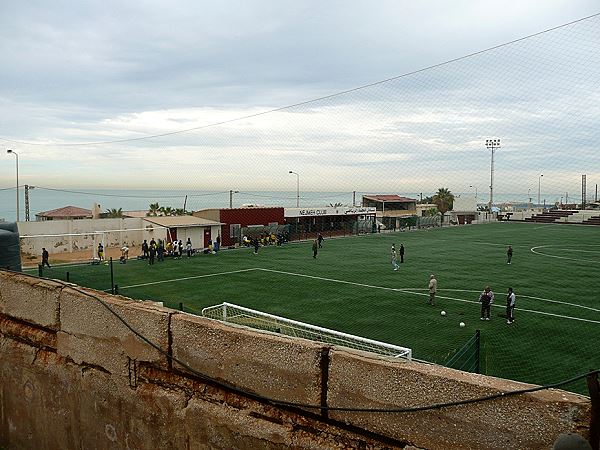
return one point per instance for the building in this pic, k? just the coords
(64, 213)
(197, 229)
(236, 221)
(464, 210)
(391, 208)
(305, 223)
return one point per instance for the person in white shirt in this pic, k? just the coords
(432, 289)
(510, 306)
(394, 257)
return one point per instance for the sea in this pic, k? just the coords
(46, 199)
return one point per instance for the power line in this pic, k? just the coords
(326, 97)
(130, 196)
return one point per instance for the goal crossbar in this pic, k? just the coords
(231, 313)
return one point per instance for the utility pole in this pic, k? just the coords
(583, 191)
(27, 188)
(353, 199)
(231, 192)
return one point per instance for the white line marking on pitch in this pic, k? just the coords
(518, 296)
(185, 278)
(353, 283)
(533, 250)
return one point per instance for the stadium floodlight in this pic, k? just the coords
(297, 188)
(540, 188)
(493, 145)
(17, 155)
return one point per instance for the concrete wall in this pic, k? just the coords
(72, 375)
(132, 231)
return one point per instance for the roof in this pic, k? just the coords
(66, 211)
(390, 198)
(181, 221)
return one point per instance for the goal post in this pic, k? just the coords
(231, 313)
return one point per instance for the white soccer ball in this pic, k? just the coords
(443, 313)
(462, 324)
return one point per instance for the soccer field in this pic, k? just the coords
(352, 288)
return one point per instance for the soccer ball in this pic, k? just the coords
(443, 313)
(462, 324)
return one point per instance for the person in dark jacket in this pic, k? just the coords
(315, 248)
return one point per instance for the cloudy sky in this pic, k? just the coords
(75, 73)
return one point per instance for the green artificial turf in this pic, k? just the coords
(351, 287)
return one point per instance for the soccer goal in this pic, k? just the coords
(228, 312)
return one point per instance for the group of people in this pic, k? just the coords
(265, 239)
(486, 298)
(158, 250)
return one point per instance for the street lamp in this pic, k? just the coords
(17, 160)
(471, 186)
(493, 145)
(540, 188)
(297, 188)
(231, 192)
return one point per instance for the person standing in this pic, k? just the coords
(256, 244)
(432, 289)
(152, 252)
(394, 257)
(509, 254)
(401, 253)
(101, 251)
(315, 248)
(218, 243)
(45, 257)
(486, 299)
(145, 248)
(320, 239)
(160, 251)
(175, 249)
(188, 247)
(180, 248)
(510, 306)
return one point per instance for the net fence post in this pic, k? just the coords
(68, 277)
(112, 277)
(180, 306)
(40, 270)
(594, 391)
(477, 350)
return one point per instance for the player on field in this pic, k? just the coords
(401, 253)
(320, 239)
(315, 248)
(432, 289)
(510, 306)
(509, 254)
(486, 299)
(45, 257)
(394, 257)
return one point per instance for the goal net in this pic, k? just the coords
(228, 312)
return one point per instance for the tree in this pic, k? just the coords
(113, 213)
(167, 211)
(444, 200)
(179, 212)
(426, 200)
(153, 209)
(336, 205)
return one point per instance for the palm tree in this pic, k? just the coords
(443, 200)
(179, 212)
(336, 205)
(113, 213)
(153, 210)
(166, 210)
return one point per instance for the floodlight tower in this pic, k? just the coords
(493, 145)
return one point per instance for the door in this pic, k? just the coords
(206, 237)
